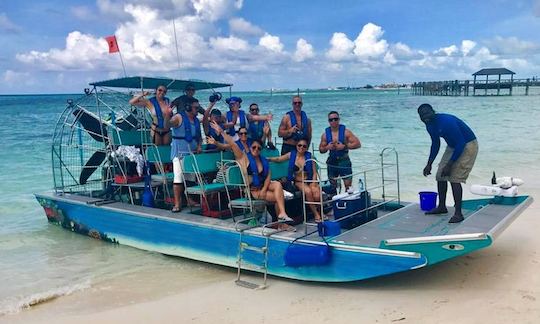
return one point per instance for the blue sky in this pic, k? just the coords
(57, 46)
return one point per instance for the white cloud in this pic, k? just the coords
(14, 80)
(369, 44)
(512, 46)
(231, 43)
(447, 51)
(389, 58)
(467, 46)
(240, 26)
(341, 47)
(7, 25)
(271, 43)
(304, 51)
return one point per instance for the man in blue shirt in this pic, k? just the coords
(457, 161)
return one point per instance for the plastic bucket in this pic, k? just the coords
(428, 200)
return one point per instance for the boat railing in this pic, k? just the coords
(383, 178)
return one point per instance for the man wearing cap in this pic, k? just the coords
(457, 160)
(212, 115)
(294, 126)
(180, 102)
(237, 118)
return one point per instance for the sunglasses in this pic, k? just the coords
(161, 90)
(256, 148)
(253, 109)
(333, 119)
(297, 102)
(242, 133)
(301, 145)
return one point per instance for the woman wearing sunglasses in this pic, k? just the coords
(257, 168)
(159, 109)
(243, 142)
(303, 174)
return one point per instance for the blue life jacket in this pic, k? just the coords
(255, 130)
(241, 146)
(188, 137)
(212, 133)
(303, 133)
(341, 139)
(241, 115)
(308, 166)
(257, 180)
(159, 113)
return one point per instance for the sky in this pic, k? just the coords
(58, 46)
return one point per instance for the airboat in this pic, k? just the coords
(98, 192)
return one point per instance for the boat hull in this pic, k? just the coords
(220, 245)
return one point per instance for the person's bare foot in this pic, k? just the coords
(437, 211)
(457, 218)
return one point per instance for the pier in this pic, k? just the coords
(486, 87)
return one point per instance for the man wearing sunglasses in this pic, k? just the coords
(259, 129)
(294, 126)
(338, 140)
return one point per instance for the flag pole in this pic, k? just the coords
(121, 60)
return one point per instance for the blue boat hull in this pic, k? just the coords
(220, 245)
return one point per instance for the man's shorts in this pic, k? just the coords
(177, 170)
(339, 168)
(463, 165)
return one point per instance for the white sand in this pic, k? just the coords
(500, 284)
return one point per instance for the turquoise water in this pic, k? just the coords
(43, 261)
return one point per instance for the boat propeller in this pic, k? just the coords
(98, 131)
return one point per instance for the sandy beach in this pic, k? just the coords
(499, 284)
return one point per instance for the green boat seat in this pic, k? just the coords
(132, 137)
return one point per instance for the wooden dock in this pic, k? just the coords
(468, 87)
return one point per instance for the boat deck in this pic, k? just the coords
(406, 222)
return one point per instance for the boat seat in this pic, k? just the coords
(132, 137)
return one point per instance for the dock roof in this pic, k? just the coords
(493, 71)
(140, 82)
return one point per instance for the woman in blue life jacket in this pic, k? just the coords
(159, 109)
(257, 168)
(243, 143)
(303, 174)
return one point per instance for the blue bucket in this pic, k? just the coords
(428, 200)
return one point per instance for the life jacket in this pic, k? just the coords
(255, 130)
(303, 133)
(242, 147)
(341, 139)
(219, 138)
(256, 179)
(241, 115)
(308, 165)
(159, 113)
(188, 136)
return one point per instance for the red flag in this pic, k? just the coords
(113, 45)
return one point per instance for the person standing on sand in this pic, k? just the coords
(457, 161)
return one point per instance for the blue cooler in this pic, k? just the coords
(352, 203)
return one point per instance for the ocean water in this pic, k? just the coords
(40, 261)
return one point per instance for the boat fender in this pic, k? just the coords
(494, 191)
(301, 254)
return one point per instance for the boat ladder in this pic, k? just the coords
(263, 250)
